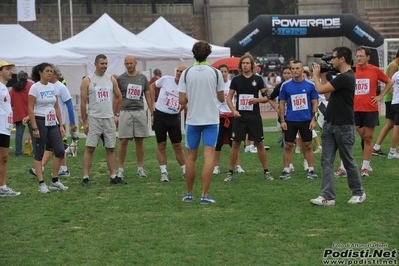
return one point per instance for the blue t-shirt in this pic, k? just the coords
(299, 96)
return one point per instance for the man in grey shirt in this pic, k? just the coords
(133, 119)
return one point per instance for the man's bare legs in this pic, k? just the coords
(192, 155)
(207, 169)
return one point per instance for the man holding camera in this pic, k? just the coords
(339, 128)
(366, 104)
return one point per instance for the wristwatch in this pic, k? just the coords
(116, 114)
(35, 129)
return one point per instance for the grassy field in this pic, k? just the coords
(254, 222)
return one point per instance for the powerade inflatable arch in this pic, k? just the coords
(264, 26)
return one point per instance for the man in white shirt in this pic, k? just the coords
(5, 127)
(166, 119)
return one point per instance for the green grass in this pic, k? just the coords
(145, 223)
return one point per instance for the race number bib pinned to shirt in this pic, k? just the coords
(362, 86)
(50, 118)
(9, 121)
(103, 94)
(299, 102)
(243, 102)
(172, 103)
(133, 91)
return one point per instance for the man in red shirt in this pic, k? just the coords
(157, 75)
(366, 101)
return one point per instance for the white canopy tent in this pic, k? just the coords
(27, 50)
(162, 32)
(106, 36)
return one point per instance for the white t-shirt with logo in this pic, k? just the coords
(6, 122)
(45, 99)
(168, 98)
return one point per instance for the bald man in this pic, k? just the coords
(166, 120)
(132, 119)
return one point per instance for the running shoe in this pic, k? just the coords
(8, 192)
(285, 175)
(239, 169)
(378, 153)
(229, 178)
(340, 173)
(357, 199)
(322, 201)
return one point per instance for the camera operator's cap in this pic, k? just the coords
(4, 64)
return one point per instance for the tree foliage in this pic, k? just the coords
(271, 45)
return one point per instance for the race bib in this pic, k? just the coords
(133, 91)
(9, 121)
(172, 103)
(362, 86)
(103, 94)
(243, 102)
(50, 119)
(299, 102)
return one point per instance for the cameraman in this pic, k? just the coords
(339, 128)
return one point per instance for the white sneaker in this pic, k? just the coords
(340, 172)
(164, 177)
(43, 188)
(253, 149)
(8, 192)
(239, 169)
(305, 165)
(393, 156)
(322, 201)
(247, 149)
(216, 170)
(297, 150)
(141, 173)
(57, 186)
(357, 199)
(119, 173)
(318, 150)
(291, 167)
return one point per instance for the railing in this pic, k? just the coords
(79, 9)
(363, 4)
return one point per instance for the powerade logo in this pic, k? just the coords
(248, 38)
(362, 33)
(299, 27)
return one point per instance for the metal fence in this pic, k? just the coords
(79, 9)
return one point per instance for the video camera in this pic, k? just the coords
(325, 65)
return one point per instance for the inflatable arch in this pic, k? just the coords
(298, 26)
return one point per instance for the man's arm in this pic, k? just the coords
(315, 108)
(283, 124)
(149, 100)
(152, 93)
(117, 97)
(84, 91)
(387, 88)
(322, 86)
(393, 68)
(183, 98)
(230, 103)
